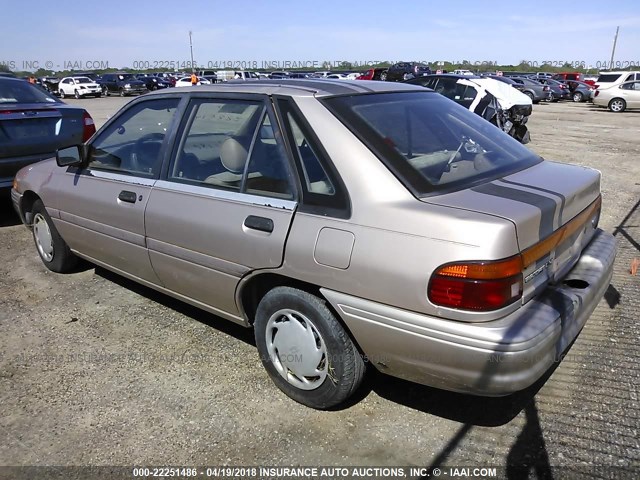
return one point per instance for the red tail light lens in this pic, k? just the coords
(88, 126)
(479, 286)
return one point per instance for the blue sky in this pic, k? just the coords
(353, 30)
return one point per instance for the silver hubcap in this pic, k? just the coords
(297, 349)
(42, 234)
(616, 105)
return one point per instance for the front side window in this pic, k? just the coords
(430, 143)
(132, 143)
(231, 145)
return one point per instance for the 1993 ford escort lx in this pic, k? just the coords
(351, 224)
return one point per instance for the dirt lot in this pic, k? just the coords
(95, 370)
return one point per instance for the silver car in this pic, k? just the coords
(351, 224)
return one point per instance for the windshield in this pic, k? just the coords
(83, 80)
(429, 142)
(18, 91)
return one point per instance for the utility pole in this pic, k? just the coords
(613, 50)
(193, 67)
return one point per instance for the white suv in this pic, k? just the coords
(609, 79)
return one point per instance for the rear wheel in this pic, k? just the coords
(617, 105)
(577, 97)
(305, 350)
(529, 94)
(53, 250)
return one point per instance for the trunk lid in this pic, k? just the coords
(540, 201)
(34, 129)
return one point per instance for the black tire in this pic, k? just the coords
(577, 97)
(343, 364)
(61, 92)
(62, 259)
(98, 95)
(383, 76)
(76, 94)
(105, 91)
(529, 94)
(122, 92)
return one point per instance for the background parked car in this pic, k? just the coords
(559, 90)
(373, 74)
(186, 81)
(406, 70)
(608, 79)
(581, 91)
(79, 87)
(620, 97)
(278, 75)
(33, 125)
(121, 83)
(50, 84)
(152, 82)
(500, 104)
(167, 77)
(533, 89)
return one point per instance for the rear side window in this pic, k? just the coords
(429, 142)
(322, 189)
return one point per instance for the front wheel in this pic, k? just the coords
(105, 91)
(61, 91)
(76, 94)
(383, 76)
(53, 250)
(617, 105)
(305, 350)
(122, 92)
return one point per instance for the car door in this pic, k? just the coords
(630, 91)
(101, 205)
(225, 203)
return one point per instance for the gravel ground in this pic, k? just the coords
(96, 370)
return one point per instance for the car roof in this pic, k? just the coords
(303, 87)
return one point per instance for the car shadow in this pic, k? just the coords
(8, 216)
(233, 329)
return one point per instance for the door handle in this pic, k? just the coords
(259, 223)
(127, 196)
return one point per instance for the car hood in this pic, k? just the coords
(537, 200)
(506, 95)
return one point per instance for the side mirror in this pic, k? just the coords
(70, 156)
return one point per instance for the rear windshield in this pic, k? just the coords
(19, 91)
(429, 142)
(608, 77)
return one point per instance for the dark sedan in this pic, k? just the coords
(532, 89)
(33, 125)
(581, 91)
(559, 90)
(152, 82)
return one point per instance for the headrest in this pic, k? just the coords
(233, 155)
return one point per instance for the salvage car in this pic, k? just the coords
(33, 125)
(79, 87)
(351, 224)
(497, 102)
(618, 98)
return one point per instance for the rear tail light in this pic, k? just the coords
(597, 92)
(88, 126)
(479, 286)
(491, 285)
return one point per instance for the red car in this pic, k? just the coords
(564, 76)
(374, 74)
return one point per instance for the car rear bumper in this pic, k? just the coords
(491, 358)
